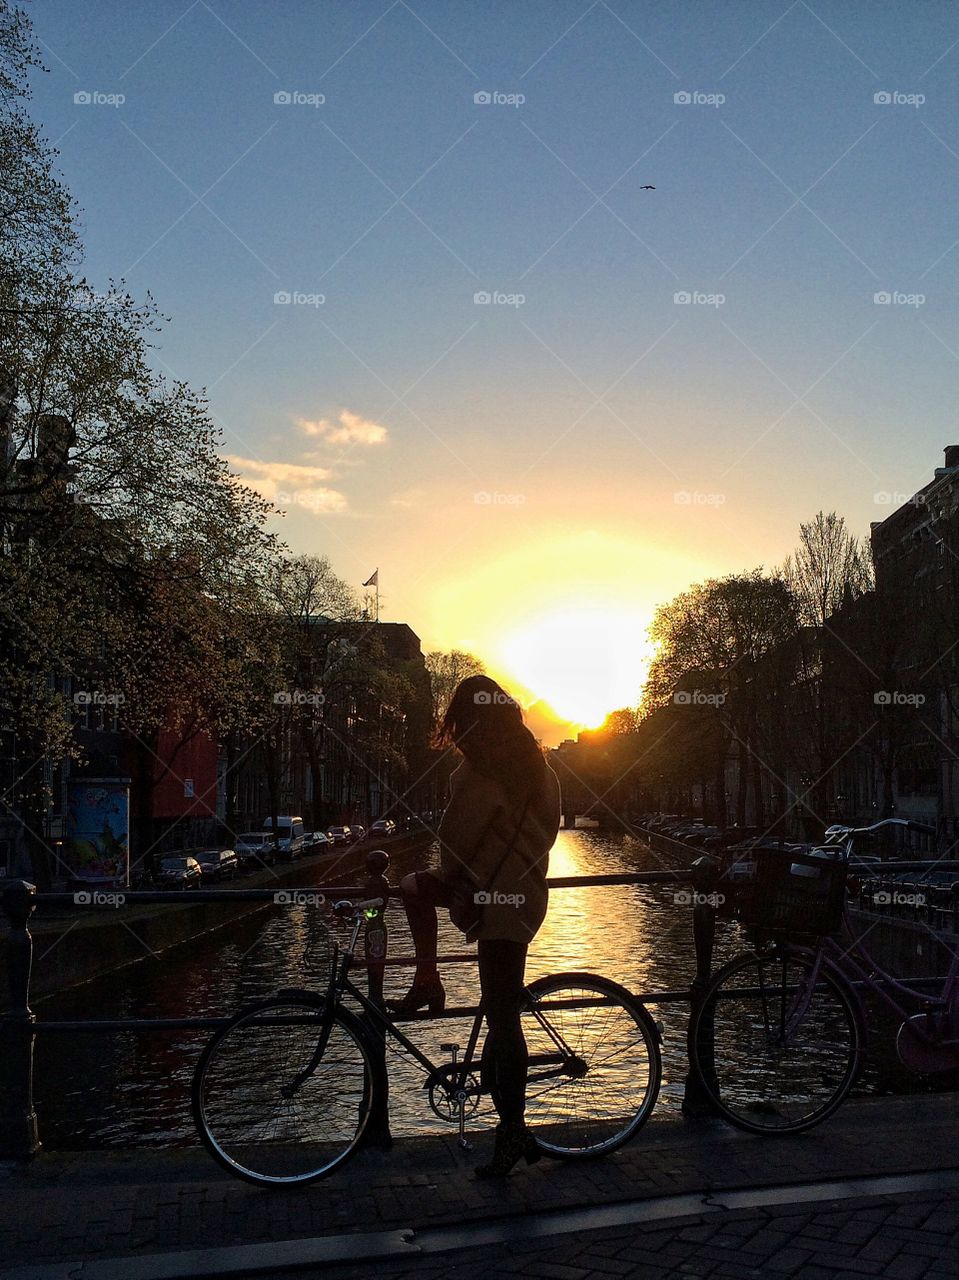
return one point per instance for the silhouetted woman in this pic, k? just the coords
(495, 839)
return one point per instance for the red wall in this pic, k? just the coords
(195, 760)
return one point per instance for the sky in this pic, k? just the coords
(409, 251)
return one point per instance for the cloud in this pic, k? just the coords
(352, 429)
(290, 484)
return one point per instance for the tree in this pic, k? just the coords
(447, 670)
(128, 551)
(618, 723)
(715, 663)
(828, 568)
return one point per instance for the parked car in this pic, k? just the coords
(697, 836)
(359, 833)
(290, 835)
(339, 835)
(385, 827)
(179, 873)
(662, 820)
(254, 848)
(218, 864)
(317, 841)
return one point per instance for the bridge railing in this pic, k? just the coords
(19, 1026)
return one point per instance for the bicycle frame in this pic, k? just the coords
(855, 964)
(866, 971)
(452, 1074)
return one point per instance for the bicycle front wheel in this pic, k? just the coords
(282, 1095)
(595, 1065)
(777, 1050)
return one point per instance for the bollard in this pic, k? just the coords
(374, 945)
(19, 1139)
(696, 1102)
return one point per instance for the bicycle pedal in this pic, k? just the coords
(464, 1144)
(449, 1047)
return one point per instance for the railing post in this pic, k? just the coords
(705, 870)
(375, 941)
(19, 1139)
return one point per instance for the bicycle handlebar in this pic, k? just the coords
(345, 907)
(843, 832)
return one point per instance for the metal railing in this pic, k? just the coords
(19, 1026)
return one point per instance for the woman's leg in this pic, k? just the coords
(422, 894)
(505, 1062)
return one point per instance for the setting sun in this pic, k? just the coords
(571, 653)
(584, 663)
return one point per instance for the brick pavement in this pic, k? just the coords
(906, 1237)
(88, 1206)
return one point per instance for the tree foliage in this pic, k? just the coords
(447, 670)
(132, 559)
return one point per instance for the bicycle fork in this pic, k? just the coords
(290, 1090)
(790, 1014)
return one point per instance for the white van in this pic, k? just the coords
(291, 834)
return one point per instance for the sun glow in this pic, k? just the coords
(583, 662)
(561, 620)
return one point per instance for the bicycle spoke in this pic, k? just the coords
(242, 1114)
(603, 1092)
(776, 1043)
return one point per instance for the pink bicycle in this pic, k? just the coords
(778, 1038)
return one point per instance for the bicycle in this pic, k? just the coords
(778, 1038)
(283, 1094)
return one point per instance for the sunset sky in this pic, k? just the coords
(663, 383)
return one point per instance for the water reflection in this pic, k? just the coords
(135, 1089)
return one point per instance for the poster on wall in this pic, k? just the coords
(97, 847)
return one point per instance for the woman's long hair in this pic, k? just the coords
(486, 725)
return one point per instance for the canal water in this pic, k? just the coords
(134, 1089)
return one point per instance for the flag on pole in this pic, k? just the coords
(373, 580)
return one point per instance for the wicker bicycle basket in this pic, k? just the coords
(792, 893)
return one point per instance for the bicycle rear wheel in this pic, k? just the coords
(281, 1095)
(775, 1052)
(595, 1065)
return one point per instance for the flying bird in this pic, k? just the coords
(647, 188)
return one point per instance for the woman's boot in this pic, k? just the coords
(514, 1141)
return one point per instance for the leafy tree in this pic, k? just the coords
(617, 723)
(446, 671)
(716, 646)
(128, 551)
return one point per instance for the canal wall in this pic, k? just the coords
(681, 855)
(73, 946)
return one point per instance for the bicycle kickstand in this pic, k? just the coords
(459, 1097)
(463, 1142)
